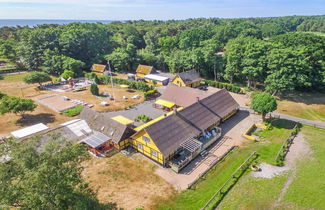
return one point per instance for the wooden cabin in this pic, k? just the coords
(143, 70)
(178, 137)
(187, 79)
(99, 69)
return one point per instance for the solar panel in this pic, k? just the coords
(95, 140)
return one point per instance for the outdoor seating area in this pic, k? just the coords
(192, 147)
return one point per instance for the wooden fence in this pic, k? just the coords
(280, 157)
(222, 191)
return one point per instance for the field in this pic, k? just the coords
(303, 191)
(267, 148)
(14, 85)
(130, 182)
(309, 106)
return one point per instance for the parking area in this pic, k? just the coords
(232, 131)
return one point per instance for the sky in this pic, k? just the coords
(155, 9)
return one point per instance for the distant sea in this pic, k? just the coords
(32, 23)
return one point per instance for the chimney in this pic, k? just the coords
(198, 99)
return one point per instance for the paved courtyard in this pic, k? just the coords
(232, 136)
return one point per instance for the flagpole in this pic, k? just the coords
(110, 72)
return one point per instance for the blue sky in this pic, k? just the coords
(155, 9)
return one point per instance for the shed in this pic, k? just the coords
(158, 79)
(29, 130)
(143, 70)
(99, 68)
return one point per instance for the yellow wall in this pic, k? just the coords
(139, 75)
(157, 83)
(147, 147)
(179, 82)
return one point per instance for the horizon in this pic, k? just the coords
(117, 10)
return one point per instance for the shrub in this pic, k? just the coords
(73, 111)
(94, 89)
(143, 118)
(149, 93)
(141, 86)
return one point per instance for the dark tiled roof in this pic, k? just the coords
(189, 76)
(103, 123)
(183, 96)
(171, 131)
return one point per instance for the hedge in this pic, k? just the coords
(73, 111)
(229, 87)
(142, 86)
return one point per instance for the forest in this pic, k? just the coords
(277, 54)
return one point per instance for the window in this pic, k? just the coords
(154, 153)
(140, 146)
(146, 139)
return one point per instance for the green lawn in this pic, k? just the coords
(308, 187)
(14, 77)
(268, 147)
(307, 191)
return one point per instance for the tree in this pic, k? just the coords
(37, 77)
(45, 174)
(94, 89)
(68, 74)
(16, 105)
(263, 103)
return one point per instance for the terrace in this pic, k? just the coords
(192, 147)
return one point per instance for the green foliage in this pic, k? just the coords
(150, 93)
(141, 86)
(143, 118)
(2, 95)
(68, 74)
(263, 103)
(73, 111)
(229, 87)
(37, 77)
(16, 105)
(94, 89)
(45, 175)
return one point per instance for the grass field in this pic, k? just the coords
(305, 192)
(309, 106)
(268, 147)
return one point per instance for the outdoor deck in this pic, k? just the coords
(192, 147)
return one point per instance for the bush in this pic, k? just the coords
(229, 87)
(150, 93)
(94, 89)
(141, 86)
(73, 111)
(142, 118)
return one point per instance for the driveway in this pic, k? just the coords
(232, 136)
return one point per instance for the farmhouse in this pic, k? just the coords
(176, 138)
(187, 79)
(99, 69)
(182, 96)
(144, 70)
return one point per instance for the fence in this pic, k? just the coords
(280, 157)
(213, 203)
(211, 166)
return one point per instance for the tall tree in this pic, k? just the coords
(45, 175)
(263, 103)
(37, 77)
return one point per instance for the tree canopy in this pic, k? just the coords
(37, 77)
(37, 174)
(263, 103)
(16, 105)
(254, 49)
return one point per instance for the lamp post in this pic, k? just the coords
(110, 73)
